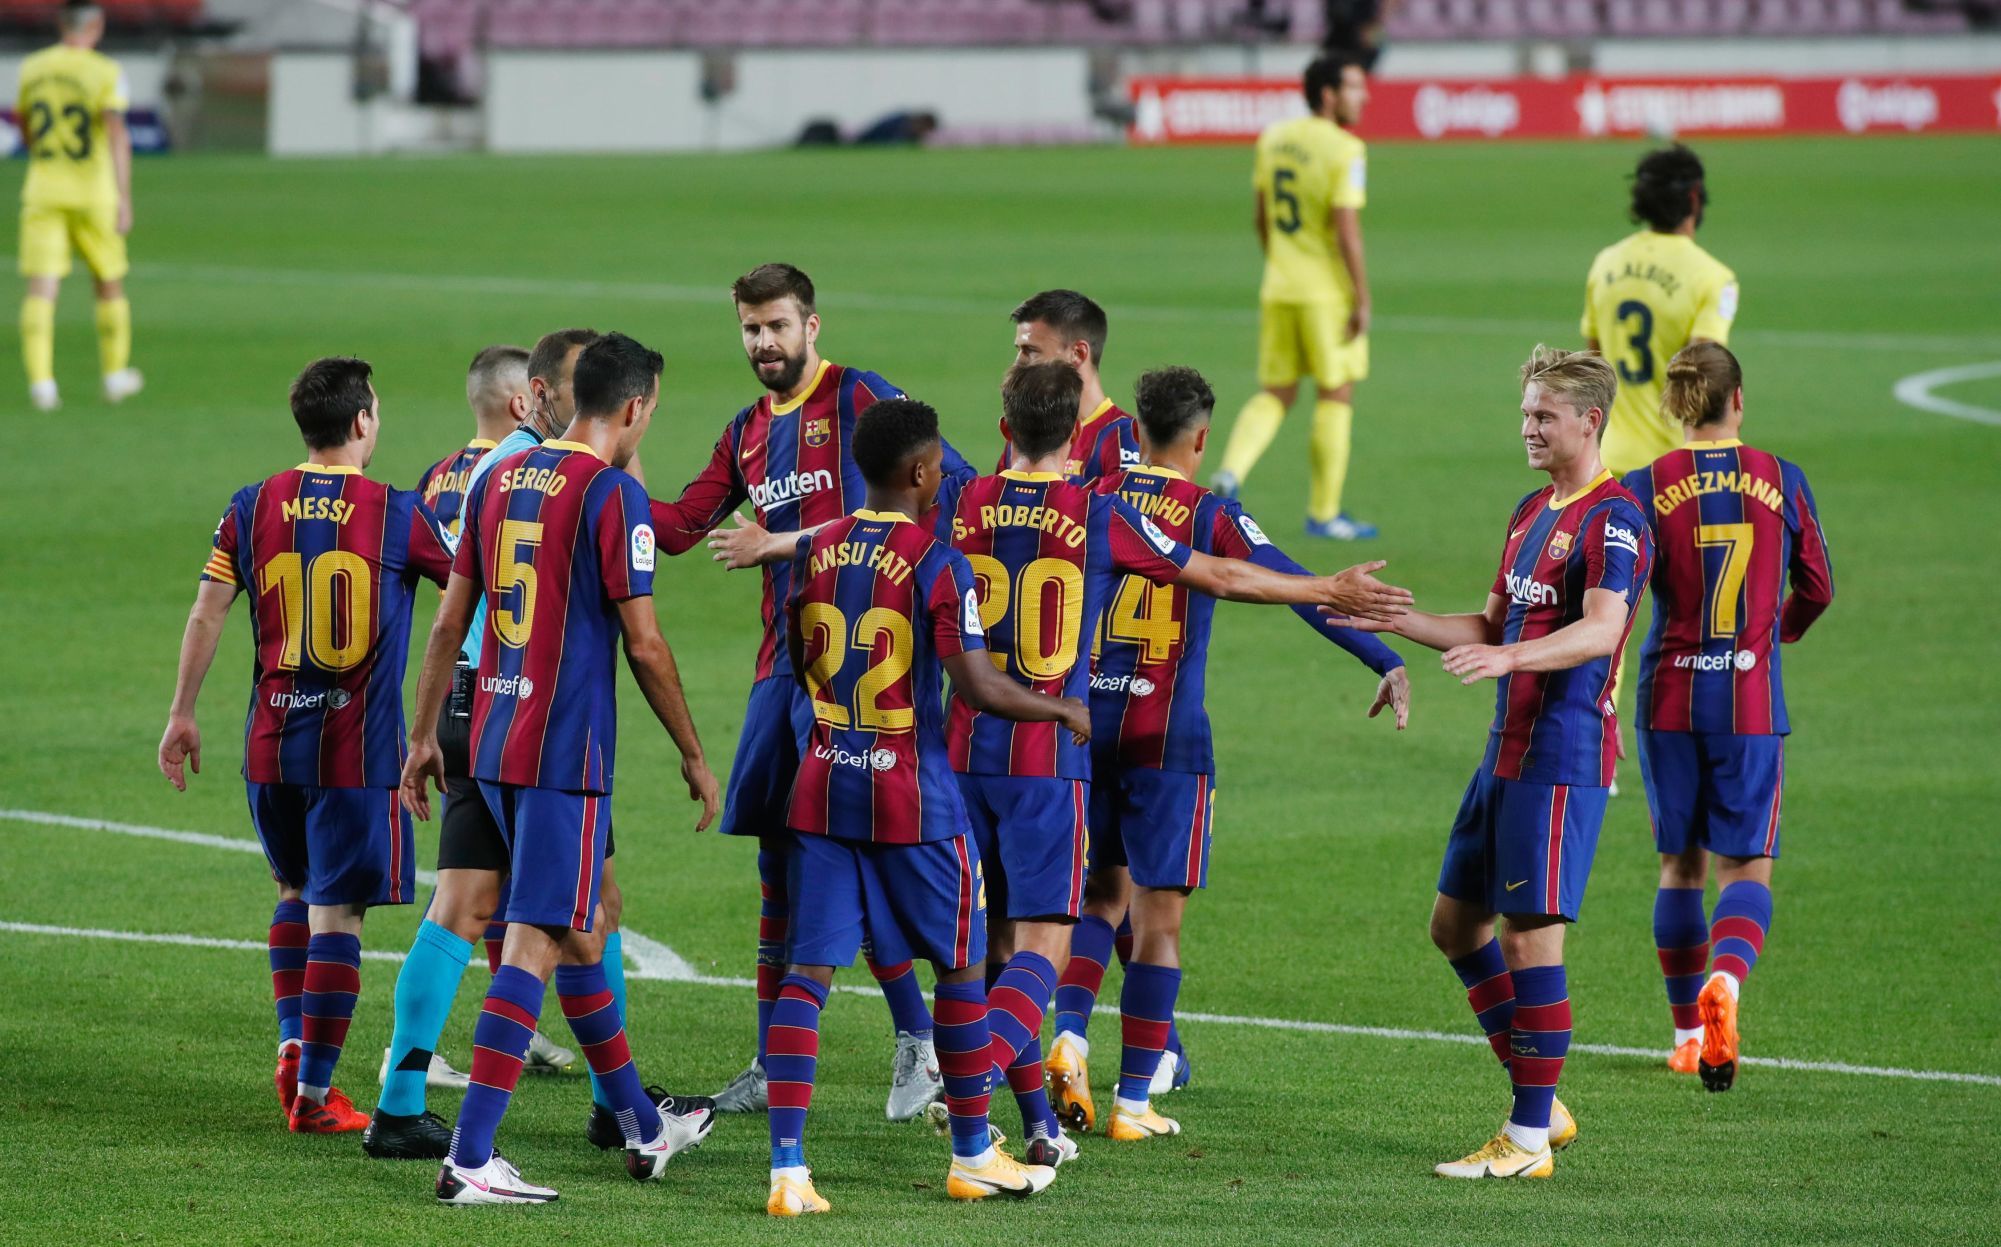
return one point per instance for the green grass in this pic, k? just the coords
(135, 1104)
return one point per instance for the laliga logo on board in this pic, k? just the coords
(1439, 111)
(1861, 106)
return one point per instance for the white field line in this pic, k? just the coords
(1916, 391)
(654, 961)
(1244, 312)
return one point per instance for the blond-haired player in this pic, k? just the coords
(1651, 294)
(1314, 304)
(72, 105)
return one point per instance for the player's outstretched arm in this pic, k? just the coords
(1372, 653)
(652, 663)
(441, 653)
(1440, 632)
(1595, 635)
(750, 544)
(1353, 591)
(982, 686)
(182, 740)
(706, 502)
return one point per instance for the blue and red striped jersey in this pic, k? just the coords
(1106, 443)
(1152, 658)
(556, 538)
(1562, 727)
(1048, 554)
(331, 560)
(790, 461)
(444, 483)
(1734, 527)
(877, 602)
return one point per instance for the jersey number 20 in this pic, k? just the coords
(1038, 656)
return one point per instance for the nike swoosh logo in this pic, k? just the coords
(753, 450)
(1518, 532)
(1513, 886)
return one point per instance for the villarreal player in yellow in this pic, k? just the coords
(1310, 189)
(78, 190)
(1650, 295)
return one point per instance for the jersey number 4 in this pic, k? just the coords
(326, 606)
(1142, 614)
(827, 627)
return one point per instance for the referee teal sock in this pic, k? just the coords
(614, 977)
(425, 989)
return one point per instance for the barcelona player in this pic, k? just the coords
(787, 454)
(1572, 570)
(332, 560)
(1310, 187)
(879, 610)
(497, 391)
(1651, 294)
(1153, 765)
(1050, 556)
(1734, 528)
(71, 111)
(1064, 325)
(557, 541)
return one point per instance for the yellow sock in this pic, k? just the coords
(1256, 425)
(38, 339)
(114, 334)
(1328, 451)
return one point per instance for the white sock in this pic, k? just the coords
(1730, 983)
(1682, 1034)
(796, 1173)
(318, 1095)
(1082, 1044)
(977, 1162)
(1136, 1108)
(1533, 1138)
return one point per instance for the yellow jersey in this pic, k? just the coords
(65, 93)
(1306, 168)
(1646, 298)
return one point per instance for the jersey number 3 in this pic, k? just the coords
(1641, 339)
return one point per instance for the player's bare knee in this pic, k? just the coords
(109, 291)
(1731, 870)
(1684, 870)
(44, 288)
(824, 975)
(611, 900)
(1343, 393)
(1532, 940)
(1283, 393)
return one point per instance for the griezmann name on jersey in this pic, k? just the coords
(1647, 297)
(877, 603)
(1561, 727)
(331, 560)
(1307, 167)
(790, 461)
(556, 538)
(1733, 527)
(1049, 555)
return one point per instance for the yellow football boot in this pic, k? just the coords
(1717, 1063)
(1684, 1057)
(1562, 1126)
(1003, 1175)
(1129, 1127)
(1070, 1085)
(1502, 1157)
(794, 1197)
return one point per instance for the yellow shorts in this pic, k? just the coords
(47, 232)
(1304, 339)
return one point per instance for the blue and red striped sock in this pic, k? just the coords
(288, 940)
(1016, 1002)
(496, 941)
(1077, 991)
(326, 1005)
(903, 992)
(1146, 1006)
(792, 1056)
(965, 1058)
(1681, 938)
(1025, 1079)
(1122, 939)
(1737, 928)
(772, 921)
(1541, 1039)
(592, 1011)
(500, 1045)
(1491, 991)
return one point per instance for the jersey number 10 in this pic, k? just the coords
(325, 605)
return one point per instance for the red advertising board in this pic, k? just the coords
(1230, 110)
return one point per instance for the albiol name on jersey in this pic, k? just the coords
(1139, 685)
(789, 487)
(1728, 660)
(1530, 592)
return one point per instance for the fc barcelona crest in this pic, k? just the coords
(1559, 547)
(819, 431)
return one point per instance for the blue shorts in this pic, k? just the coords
(555, 844)
(908, 900)
(776, 725)
(1522, 848)
(338, 846)
(1154, 823)
(1032, 842)
(1714, 790)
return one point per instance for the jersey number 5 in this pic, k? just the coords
(326, 606)
(826, 626)
(1038, 656)
(1287, 198)
(512, 623)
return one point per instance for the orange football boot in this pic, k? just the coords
(1717, 1062)
(287, 1078)
(336, 1116)
(1683, 1059)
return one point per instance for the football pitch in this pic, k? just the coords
(137, 1036)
